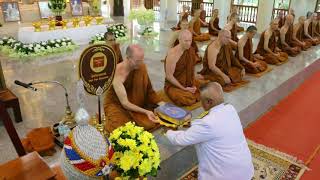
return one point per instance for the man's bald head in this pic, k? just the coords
(185, 39)
(302, 19)
(274, 24)
(184, 24)
(289, 19)
(211, 95)
(135, 55)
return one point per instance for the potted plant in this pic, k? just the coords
(57, 7)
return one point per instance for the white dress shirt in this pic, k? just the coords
(221, 146)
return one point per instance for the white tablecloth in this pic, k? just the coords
(80, 35)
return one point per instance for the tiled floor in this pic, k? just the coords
(46, 106)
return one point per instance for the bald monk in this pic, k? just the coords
(175, 40)
(286, 42)
(213, 27)
(181, 85)
(182, 17)
(232, 27)
(315, 28)
(309, 29)
(219, 63)
(111, 41)
(131, 97)
(195, 28)
(234, 10)
(298, 35)
(203, 15)
(267, 46)
(252, 63)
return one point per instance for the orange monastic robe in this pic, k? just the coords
(195, 47)
(215, 24)
(116, 48)
(197, 29)
(184, 17)
(300, 37)
(140, 92)
(234, 33)
(226, 62)
(294, 48)
(248, 54)
(184, 73)
(268, 57)
(311, 30)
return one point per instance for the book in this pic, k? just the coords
(173, 114)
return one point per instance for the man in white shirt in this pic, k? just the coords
(221, 146)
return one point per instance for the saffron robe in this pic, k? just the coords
(215, 24)
(197, 29)
(294, 48)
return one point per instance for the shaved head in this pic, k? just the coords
(135, 55)
(185, 39)
(211, 95)
(289, 19)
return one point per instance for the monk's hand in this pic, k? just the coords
(303, 43)
(152, 117)
(226, 79)
(278, 50)
(243, 72)
(161, 103)
(191, 89)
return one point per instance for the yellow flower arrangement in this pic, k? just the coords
(136, 152)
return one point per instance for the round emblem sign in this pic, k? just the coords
(96, 68)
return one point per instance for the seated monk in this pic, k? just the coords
(232, 27)
(252, 63)
(175, 40)
(181, 85)
(234, 10)
(111, 41)
(286, 42)
(309, 29)
(214, 23)
(195, 28)
(203, 16)
(131, 97)
(298, 35)
(219, 63)
(267, 46)
(182, 17)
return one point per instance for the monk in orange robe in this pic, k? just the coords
(286, 43)
(175, 40)
(195, 28)
(232, 27)
(267, 46)
(181, 85)
(182, 17)
(252, 63)
(214, 23)
(298, 35)
(131, 97)
(219, 63)
(203, 15)
(234, 10)
(111, 41)
(309, 29)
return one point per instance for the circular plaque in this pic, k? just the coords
(175, 112)
(97, 66)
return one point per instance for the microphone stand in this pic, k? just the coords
(68, 118)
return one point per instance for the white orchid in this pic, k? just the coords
(57, 45)
(1, 42)
(59, 41)
(64, 43)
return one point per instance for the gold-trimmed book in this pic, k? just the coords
(173, 114)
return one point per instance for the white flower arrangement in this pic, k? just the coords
(119, 31)
(17, 49)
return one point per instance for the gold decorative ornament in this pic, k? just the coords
(99, 20)
(64, 24)
(37, 26)
(52, 25)
(75, 22)
(68, 118)
(87, 20)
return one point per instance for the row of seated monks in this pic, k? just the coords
(226, 60)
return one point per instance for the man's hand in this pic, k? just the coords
(161, 103)
(278, 50)
(226, 79)
(191, 89)
(152, 117)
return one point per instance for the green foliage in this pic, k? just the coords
(143, 16)
(57, 7)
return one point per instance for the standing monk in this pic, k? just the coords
(203, 15)
(183, 16)
(175, 40)
(286, 42)
(267, 46)
(181, 85)
(214, 23)
(219, 63)
(252, 63)
(298, 35)
(111, 41)
(131, 97)
(195, 28)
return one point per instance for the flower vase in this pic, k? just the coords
(58, 20)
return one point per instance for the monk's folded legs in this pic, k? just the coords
(181, 97)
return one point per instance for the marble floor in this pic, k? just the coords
(46, 106)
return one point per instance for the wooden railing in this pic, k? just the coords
(279, 12)
(247, 14)
(207, 6)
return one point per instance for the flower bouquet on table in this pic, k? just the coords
(144, 16)
(136, 152)
(148, 32)
(97, 39)
(17, 49)
(119, 31)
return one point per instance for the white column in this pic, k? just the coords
(172, 6)
(264, 15)
(126, 7)
(302, 7)
(224, 10)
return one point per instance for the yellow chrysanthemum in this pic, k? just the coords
(144, 138)
(128, 160)
(115, 134)
(145, 167)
